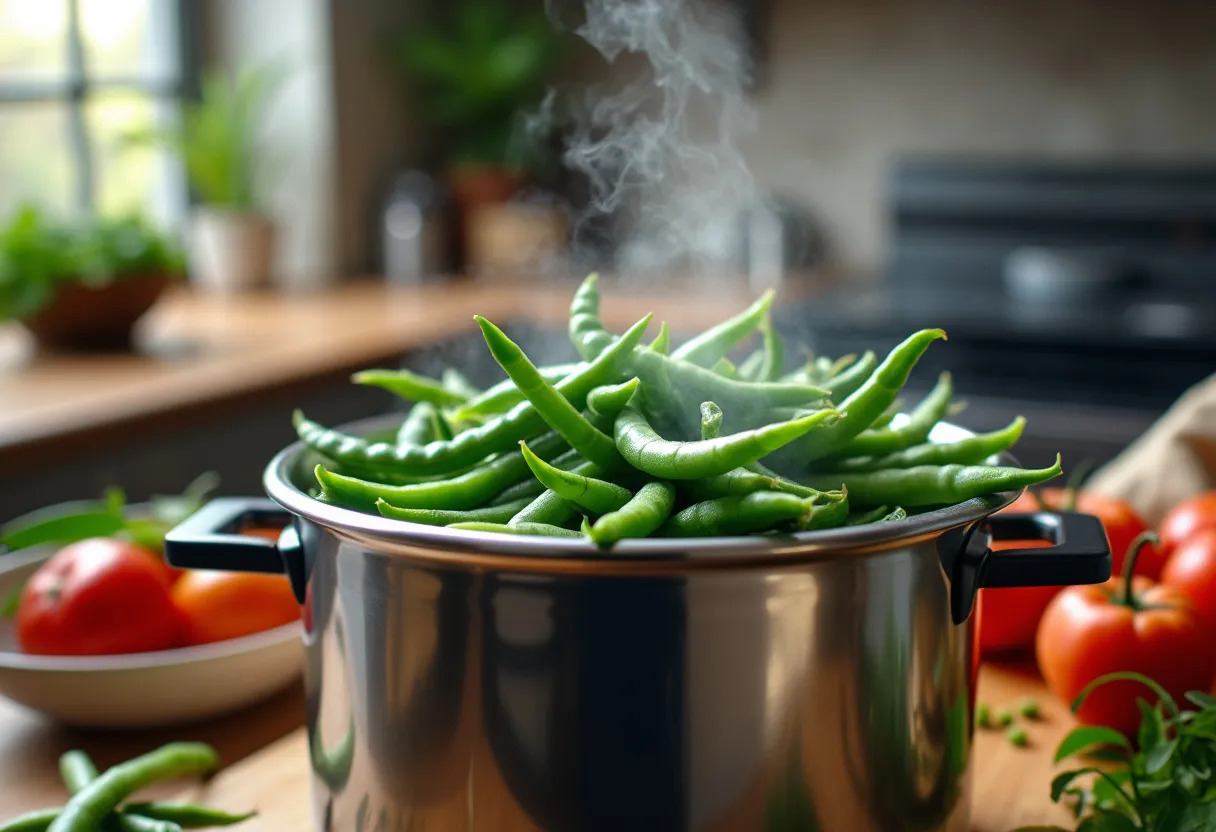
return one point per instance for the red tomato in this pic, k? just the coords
(224, 605)
(1187, 518)
(1009, 616)
(1192, 570)
(95, 597)
(1089, 631)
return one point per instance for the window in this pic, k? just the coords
(75, 77)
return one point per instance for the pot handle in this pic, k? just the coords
(210, 539)
(1080, 554)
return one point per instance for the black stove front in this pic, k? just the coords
(1081, 296)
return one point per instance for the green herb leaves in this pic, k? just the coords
(1167, 784)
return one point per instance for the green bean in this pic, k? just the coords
(645, 512)
(187, 816)
(87, 808)
(931, 485)
(587, 333)
(706, 349)
(662, 341)
(527, 489)
(744, 481)
(867, 402)
(521, 422)
(537, 529)
(595, 495)
(844, 383)
(755, 512)
(752, 368)
(500, 513)
(774, 351)
(725, 368)
(553, 407)
(410, 386)
(896, 513)
(76, 770)
(970, 451)
(505, 395)
(862, 518)
(550, 507)
(610, 399)
(467, 491)
(711, 420)
(914, 431)
(667, 382)
(139, 823)
(645, 450)
(458, 383)
(38, 820)
(885, 417)
(420, 426)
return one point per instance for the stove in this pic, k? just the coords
(1083, 296)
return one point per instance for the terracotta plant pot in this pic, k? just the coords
(473, 186)
(231, 251)
(87, 318)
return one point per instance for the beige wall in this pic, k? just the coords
(852, 83)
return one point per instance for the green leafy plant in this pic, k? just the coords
(38, 254)
(478, 73)
(217, 139)
(1165, 784)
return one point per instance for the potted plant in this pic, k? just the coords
(477, 74)
(232, 240)
(82, 285)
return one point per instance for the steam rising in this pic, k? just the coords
(659, 146)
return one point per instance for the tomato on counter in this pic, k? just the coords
(1191, 569)
(1189, 517)
(1009, 616)
(1149, 628)
(223, 605)
(98, 596)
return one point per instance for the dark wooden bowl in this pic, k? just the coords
(86, 318)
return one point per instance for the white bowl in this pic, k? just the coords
(143, 690)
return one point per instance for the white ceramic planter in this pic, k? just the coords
(231, 251)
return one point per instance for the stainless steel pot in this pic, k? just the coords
(466, 681)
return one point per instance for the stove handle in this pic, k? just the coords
(210, 539)
(1080, 554)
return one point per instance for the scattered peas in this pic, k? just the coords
(1017, 736)
(1004, 717)
(1029, 708)
(983, 715)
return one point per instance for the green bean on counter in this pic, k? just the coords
(639, 440)
(97, 800)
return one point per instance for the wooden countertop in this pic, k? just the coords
(265, 753)
(201, 352)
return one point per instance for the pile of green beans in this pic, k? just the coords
(99, 800)
(639, 440)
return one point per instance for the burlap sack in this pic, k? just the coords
(1173, 460)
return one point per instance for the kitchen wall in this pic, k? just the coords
(849, 84)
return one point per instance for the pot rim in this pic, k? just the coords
(473, 548)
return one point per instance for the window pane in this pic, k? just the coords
(33, 40)
(133, 178)
(35, 157)
(129, 38)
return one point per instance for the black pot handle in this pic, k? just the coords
(210, 539)
(1080, 554)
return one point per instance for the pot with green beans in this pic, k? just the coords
(664, 585)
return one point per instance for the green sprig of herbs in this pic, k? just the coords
(1165, 784)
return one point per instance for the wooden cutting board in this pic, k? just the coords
(1011, 788)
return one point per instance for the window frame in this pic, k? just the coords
(78, 87)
